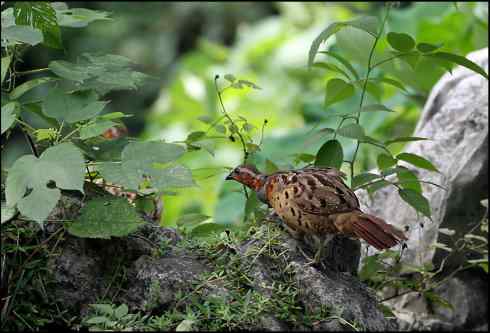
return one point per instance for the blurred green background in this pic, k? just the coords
(185, 45)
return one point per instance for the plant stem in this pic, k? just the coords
(363, 93)
(33, 71)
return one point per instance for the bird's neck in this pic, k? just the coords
(255, 182)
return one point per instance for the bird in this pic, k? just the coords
(316, 201)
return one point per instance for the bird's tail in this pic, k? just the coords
(372, 229)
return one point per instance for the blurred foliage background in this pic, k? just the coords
(184, 45)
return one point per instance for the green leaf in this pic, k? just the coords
(437, 299)
(102, 73)
(252, 203)
(271, 167)
(78, 106)
(121, 311)
(177, 176)
(185, 325)
(404, 139)
(103, 309)
(40, 15)
(337, 90)
(330, 154)
(416, 200)
(417, 160)
(45, 134)
(462, 61)
(26, 86)
(8, 115)
(80, 17)
(95, 129)
(353, 131)
(411, 58)
(115, 115)
(428, 48)
(375, 107)
(207, 228)
(115, 173)
(194, 136)
(230, 78)
(343, 61)
(248, 84)
(7, 212)
(69, 71)
(385, 161)
(5, 66)
(367, 23)
(97, 320)
(408, 180)
(106, 217)
(363, 178)
(392, 82)
(63, 164)
(377, 185)
(332, 68)
(192, 219)
(22, 34)
(400, 41)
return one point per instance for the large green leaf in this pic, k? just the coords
(79, 17)
(417, 160)
(390, 81)
(385, 161)
(95, 129)
(5, 66)
(408, 180)
(102, 73)
(78, 106)
(427, 47)
(330, 154)
(353, 131)
(177, 176)
(22, 34)
(462, 61)
(366, 23)
(400, 41)
(26, 86)
(42, 16)
(364, 178)
(337, 90)
(62, 164)
(117, 174)
(416, 200)
(8, 115)
(343, 61)
(106, 217)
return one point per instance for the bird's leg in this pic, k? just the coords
(320, 244)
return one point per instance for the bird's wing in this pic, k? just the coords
(321, 192)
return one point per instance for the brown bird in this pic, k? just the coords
(316, 201)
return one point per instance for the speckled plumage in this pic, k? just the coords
(317, 201)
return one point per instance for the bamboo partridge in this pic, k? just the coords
(316, 201)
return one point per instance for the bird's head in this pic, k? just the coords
(248, 175)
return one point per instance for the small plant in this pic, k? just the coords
(109, 317)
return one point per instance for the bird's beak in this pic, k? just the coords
(229, 177)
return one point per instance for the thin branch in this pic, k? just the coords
(33, 71)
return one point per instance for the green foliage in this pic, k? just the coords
(105, 217)
(62, 164)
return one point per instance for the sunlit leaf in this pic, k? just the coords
(392, 82)
(417, 160)
(5, 66)
(416, 200)
(408, 180)
(462, 61)
(404, 139)
(8, 115)
(80, 17)
(331, 67)
(22, 34)
(26, 86)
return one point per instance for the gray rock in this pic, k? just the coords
(455, 118)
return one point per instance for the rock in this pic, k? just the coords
(319, 288)
(455, 119)
(156, 281)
